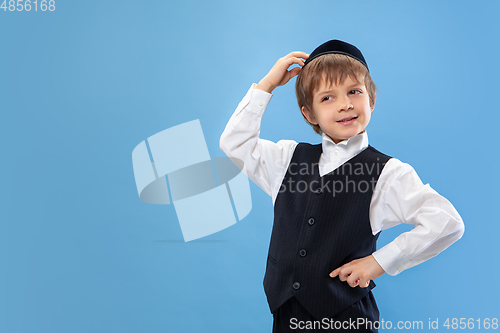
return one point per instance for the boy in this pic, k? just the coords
(331, 200)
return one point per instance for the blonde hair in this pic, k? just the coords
(333, 68)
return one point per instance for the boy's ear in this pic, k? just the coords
(374, 100)
(309, 116)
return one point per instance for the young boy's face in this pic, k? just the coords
(341, 111)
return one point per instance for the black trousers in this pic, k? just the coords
(293, 317)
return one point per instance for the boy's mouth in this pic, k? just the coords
(347, 120)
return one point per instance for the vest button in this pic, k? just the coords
(319, 190)
(302, 253)
(296, 285)
(311, 221)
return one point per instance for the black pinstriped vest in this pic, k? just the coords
(321, 223)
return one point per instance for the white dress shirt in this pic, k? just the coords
(399, 196)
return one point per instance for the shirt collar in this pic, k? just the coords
(345, 149)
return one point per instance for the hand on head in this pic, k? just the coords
(279, 75)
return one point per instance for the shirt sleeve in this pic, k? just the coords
(264, 161)
(401, 197)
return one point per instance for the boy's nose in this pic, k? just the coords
(345, 105)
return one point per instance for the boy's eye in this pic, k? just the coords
(326, 98)
(355, 92)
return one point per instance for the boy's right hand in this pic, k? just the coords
(279, 74)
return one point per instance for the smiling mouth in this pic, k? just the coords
(345, 120)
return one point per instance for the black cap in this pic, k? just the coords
(337, 46)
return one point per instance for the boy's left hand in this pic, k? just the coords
(359, 272)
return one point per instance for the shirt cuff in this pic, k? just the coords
(258, 100)
(392, 260)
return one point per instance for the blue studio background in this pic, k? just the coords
(81, 86)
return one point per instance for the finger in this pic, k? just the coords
(363, 283)
(289, 75)
(294, 60)
(352, 281)
(345, 273)
(335, 272)
(298, 54)
(294, 71)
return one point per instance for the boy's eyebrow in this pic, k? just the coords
(332, 90)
